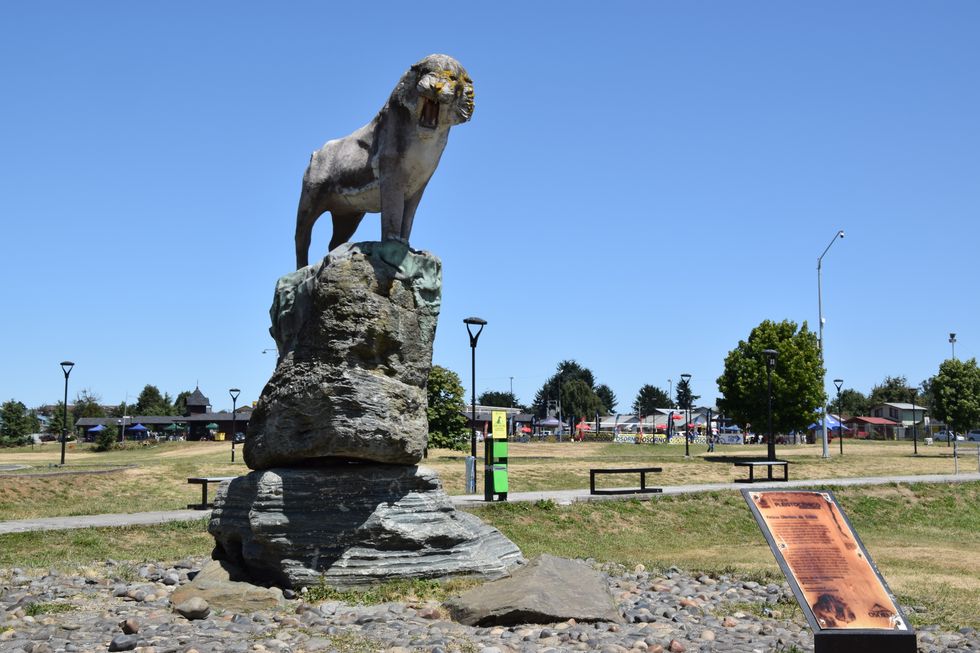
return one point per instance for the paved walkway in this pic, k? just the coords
(561, 497)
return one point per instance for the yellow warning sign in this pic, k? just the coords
(498, 419)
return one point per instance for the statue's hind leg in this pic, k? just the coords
(344, 226)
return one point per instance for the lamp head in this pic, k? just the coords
(952, 338)
(685, 377)
(770, 357)
(234, 392)
(839, 383)
(475, 321)
(66, 367)
(840, 234)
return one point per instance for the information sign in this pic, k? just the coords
(832, 576)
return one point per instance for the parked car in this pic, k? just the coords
(945, 436)
(974, 435)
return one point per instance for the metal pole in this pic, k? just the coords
(66, 368)
(770, 362)
(234, 430)
(476, 321)
(839, 234)
(915, 435)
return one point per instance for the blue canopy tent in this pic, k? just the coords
(832, 423)
(140, 430)
(96, 429)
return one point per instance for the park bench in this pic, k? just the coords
(642, 471)
(769, 464)
(204, 482)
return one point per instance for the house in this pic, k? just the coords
(901, 413)
(873, 428)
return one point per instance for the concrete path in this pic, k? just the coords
(561, 497)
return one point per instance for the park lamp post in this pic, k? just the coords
(66, 367)
(771, 363)
(952, 344)
(840, 425)
(915, 434)
(471, 322)
(234, 392)
(686, 378)
(839, 234)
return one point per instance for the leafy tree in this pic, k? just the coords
(568, 372)
(87, 405)
(607, 397)
(853, 402)
(447, 425)
(498, 398)
(105, 439)
(892, 389)
(926, 398)
(796, 378)
(15, 426)
(180, 403)
(957, 393)
(58, 419)
(650, 398)
(151, 402)
(685, 399)
(578, 399)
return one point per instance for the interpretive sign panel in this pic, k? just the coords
(844, 598)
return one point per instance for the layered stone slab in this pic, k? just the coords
(352, 525)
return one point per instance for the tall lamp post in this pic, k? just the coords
(915, 434)
(771, 363)
(234, 392)
(470, 322)
(952, 344)
(686, 378)
(839, 234)
(66, 368)
(840, 425)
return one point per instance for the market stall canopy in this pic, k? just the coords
(136, 427)
(212, 425)
(96, 428)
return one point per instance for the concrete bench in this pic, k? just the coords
(769, 464)
(204, 482)
(642, 471)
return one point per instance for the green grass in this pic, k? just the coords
(37, 609)
(420, 590)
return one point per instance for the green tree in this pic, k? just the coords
(853, 402)
(151, 402)
(685, 398)
(796, 378)
(447, 425)
(180, 403)
(650, 398)
(926, 398)
(106, 439)
(578, 399)
(87, 404)
(14, 423)
(607, 397)
(957, 393)
(499, 398)
(568, 372)
(894, 389)
(57, 420)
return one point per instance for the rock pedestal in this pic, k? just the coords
(352, 525)
(338, 430)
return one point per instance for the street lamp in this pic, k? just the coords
(66, 368)
(840, 424)
(480, 322)
(915, 433)
(839, 234)
(686, 378)
(234, 392)
(771, 363)
(952, 344)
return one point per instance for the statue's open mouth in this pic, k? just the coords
(430, 114)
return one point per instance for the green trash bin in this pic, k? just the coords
(499, 479)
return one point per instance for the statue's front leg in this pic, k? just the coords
(392, 205)
(408, 217)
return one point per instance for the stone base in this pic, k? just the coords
(352, 525)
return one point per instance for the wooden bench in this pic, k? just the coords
(642, 471)
(769, 464)
(204, 482)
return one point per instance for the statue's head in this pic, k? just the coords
(438, 92)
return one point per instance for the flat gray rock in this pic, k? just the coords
(351, 525)
(354, 334)
(547, 590)
(222, 586)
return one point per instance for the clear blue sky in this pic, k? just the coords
(641, 184)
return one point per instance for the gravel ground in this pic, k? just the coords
(121, 607)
